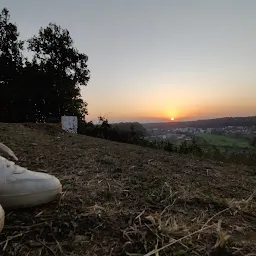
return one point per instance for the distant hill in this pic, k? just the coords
(126, 126)
(207, 123)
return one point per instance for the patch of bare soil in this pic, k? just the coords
(120, 199)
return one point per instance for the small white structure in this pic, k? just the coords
(69, 123)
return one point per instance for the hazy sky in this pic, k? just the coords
(153, 60)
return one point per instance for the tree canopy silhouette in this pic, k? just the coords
(10, 63)
(46, 87)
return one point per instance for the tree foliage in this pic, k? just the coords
(10, 63)
(46, 87)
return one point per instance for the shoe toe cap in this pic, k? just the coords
(29, 189)
(32, 182)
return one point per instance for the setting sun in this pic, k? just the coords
(172, 118)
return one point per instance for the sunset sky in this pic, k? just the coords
(153, 60)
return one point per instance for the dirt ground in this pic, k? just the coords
(120, 199)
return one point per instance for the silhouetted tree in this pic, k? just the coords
(10, 65)
(64, 69)
(49, 85)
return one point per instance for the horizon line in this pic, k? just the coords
(148, 121)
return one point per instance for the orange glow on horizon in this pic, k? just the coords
(183, 110)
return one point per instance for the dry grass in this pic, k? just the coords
(120, 199)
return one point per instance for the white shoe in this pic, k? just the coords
(20, 187)
(1, 218)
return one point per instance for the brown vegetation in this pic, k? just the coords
(121, 199)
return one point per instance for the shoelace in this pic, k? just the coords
(6, 164)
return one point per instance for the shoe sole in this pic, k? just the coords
(2, 216)
(30, 200)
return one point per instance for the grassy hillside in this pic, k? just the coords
(223, 140)
(120, 199)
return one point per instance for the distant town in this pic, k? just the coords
(188, 133)
(227, 131)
